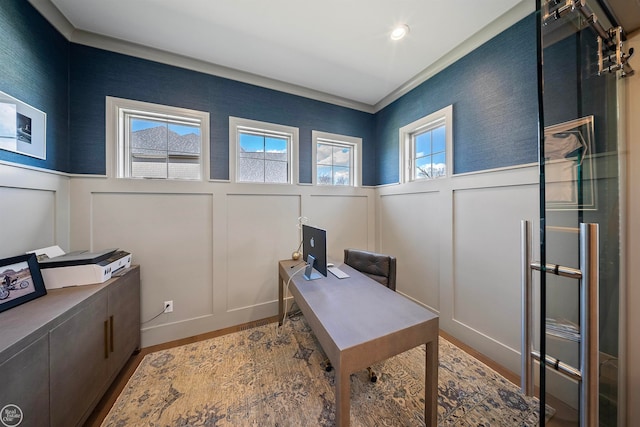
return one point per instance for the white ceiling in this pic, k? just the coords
(338, 47)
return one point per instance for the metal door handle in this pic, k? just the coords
(589, 321)
(526, 379)
(588, 374)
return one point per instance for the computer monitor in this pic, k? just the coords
(314, 243)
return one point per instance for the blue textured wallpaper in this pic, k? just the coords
(34, 61)
(492, 89)
(493, 92)
(98, 73)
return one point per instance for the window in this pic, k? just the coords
(157, 141)
(425, 147)
(262, 152)
(336, 159)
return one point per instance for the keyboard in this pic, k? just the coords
(337, 272)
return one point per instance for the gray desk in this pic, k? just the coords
(359, 322)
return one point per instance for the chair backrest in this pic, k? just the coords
(380, 267)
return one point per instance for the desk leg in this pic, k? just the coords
(343, 396)
(431, 385)
(280, 300)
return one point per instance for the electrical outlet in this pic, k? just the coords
(168, 306)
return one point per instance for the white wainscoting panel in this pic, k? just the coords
(486, 288)
(457, 240)
(35, 210)
(211, 247)
(410, 231)
(170, 236)
(28, 220)
(346, 220)
(262, 229)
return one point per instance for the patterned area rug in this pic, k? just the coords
(260, 377)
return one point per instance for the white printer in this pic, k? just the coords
(81, 267)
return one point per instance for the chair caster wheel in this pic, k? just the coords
(328, 367)
(372, 375)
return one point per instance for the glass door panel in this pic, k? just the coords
(580, 175)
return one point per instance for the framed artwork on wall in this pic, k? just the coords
(22, 128)
(20, 281)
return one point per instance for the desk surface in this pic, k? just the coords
(359, 322)
(357, 309)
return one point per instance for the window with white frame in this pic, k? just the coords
(337, 159)
(426, 147)
(262, 152)
(157, 141)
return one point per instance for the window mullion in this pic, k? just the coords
(166, 162)
(264, 158)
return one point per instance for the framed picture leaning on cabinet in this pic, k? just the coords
(20, 281)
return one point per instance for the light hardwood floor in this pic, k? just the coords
(564, 416)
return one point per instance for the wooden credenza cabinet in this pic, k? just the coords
(65, 349)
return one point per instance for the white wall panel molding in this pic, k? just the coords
(485, 291)
(211, 247)
(456, 247)
(262, 229)
(437, 229)
(516, 175)
(35, 210)
(28, 220)
(346, 219)
(412, 191)
(410, 228)
(171, 236)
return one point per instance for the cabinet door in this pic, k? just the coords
(124, 318)
(24, 384)
(78, 362)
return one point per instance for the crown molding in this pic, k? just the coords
(500, 24)
(52, 14)
(60, 22)
(74, 35)
(177, 60)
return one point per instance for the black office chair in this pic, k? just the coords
(379, 267)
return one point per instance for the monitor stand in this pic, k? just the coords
(309, 273)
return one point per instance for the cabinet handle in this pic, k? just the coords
(106, 339)
(111, 332)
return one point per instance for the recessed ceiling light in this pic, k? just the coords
(399, 32)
